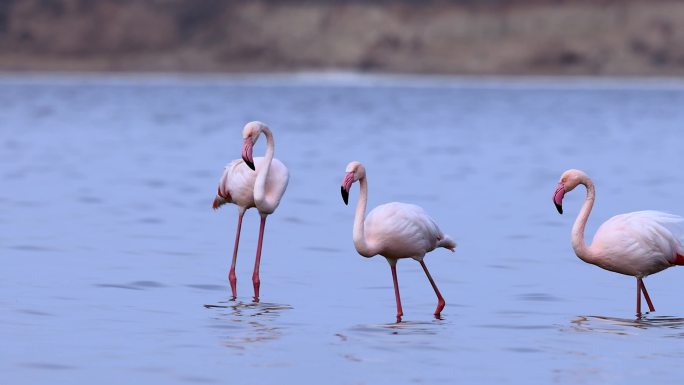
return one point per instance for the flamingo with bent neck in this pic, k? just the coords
(639, 244)
(394, 230)
(244, 187)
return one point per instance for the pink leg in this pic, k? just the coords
(231, 274)
(648, 299)
(400, 313)
(638, 309)
(255, 275)
(440, 300)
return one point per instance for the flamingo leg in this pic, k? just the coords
(255, 276)
(440, 299)
(638, 309)
(393, 266)
(648, 299)
(231, 274)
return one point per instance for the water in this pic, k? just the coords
(114, 265)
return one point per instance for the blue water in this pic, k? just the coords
(114, 266)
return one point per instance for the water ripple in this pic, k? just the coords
(403, 328)
(137, 285)
(47, 366)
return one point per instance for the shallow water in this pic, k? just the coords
(115, 267)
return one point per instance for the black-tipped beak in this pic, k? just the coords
(558, 197)
(346, 186)
(559, 208)
(248, 163)
(345, 195)
(247, 153)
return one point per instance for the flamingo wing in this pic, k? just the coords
(236, 185)
(640, 243)
(402, 230)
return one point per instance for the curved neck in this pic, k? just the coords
(583, 251)
(359, 234)
(260, 183)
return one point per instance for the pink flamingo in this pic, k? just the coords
(245, 188)
(394, 230)
(637, 244)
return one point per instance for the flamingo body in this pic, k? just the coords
(237, 184)
(640, 243)
(402, 230)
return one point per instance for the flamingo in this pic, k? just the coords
(245, 188)
(394, 230)
(639, 244)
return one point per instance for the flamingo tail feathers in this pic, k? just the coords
(222, 195)
(447, 243)
(679, 260)
(218, 202)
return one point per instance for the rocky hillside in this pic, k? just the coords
(619, 37)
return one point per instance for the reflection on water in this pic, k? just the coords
(623, 326)
(244, 323)
(361, 343)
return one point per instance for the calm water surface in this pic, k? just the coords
(114, 266)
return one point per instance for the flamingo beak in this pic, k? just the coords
(345, 195)
(346, 186)
(247, 153)
(558, 197)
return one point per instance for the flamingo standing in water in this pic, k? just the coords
(394, 230)
(637, 244)
(244, 187)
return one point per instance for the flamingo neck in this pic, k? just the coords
(583, 251)
(359, 235)
(260, 183)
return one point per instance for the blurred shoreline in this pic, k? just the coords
(341, 79)
(534, 37)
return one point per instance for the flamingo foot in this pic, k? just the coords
(233, 283)
(399, 317)
(440, 307)
(257, 285)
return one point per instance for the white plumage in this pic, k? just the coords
(402, 230)
(237, 185)
(640, 243)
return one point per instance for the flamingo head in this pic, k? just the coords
(568, 181)
(250, 134)
(353, 173)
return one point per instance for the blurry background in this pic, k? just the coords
(597, 37)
